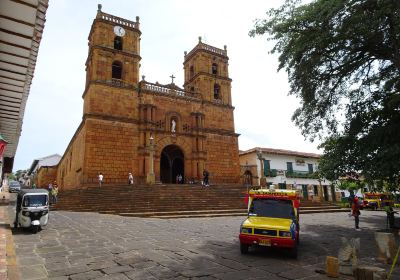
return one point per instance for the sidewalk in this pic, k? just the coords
(8, 263)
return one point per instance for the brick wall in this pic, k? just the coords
(110, 148)
(70, 168)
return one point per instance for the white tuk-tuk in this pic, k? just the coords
(32, 209)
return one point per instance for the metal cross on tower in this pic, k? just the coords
(172, 77)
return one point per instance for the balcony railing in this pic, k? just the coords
(289, 174)
(202, 46)
(300, 174)
(118, 20)
(270, 173)
(166, 90)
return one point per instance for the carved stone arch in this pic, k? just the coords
(175, 161)
(170, 140)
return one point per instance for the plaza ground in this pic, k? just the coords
(95, 246)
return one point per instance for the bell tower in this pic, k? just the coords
(206, 72)
(112, 67)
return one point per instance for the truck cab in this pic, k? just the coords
(376, 201)
(272, 221)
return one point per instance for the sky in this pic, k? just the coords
(263, 108)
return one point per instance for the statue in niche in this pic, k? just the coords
(173, 125)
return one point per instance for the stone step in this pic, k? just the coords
(163, 201)
(178, 213)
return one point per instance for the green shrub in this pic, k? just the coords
(345, 204)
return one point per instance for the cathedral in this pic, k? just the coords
(156, 132)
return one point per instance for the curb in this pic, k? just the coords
(8, 259)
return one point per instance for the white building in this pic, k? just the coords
(286, 169)
(48, 161)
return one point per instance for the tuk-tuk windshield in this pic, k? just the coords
(273, 208)
(35, 200)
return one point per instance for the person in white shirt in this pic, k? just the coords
(101, 177)
(130, 179)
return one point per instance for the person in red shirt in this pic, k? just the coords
(355, 211)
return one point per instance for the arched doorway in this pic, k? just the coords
(247, 178)
(172, 163)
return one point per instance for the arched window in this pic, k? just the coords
(191, 70)
(118, 43)
(117, 70)
(217, 91)
(214, 69)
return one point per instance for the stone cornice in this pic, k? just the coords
(110, 84)
(192, 134)
(208, 75)
(110, 118)
(112, 50)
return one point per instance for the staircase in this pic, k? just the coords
(166, 201)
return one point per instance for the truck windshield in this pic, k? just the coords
(35, 200)
(272, 208)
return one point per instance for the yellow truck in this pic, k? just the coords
(273, 220)
(375, 200)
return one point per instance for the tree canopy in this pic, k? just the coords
(343, 63)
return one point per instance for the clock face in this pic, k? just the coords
(119, 31)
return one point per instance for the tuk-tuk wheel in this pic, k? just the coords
(244, 248)
(35, 229)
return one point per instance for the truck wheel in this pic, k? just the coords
(293, 252)
(244, 248)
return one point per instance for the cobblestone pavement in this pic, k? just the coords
(93, 246)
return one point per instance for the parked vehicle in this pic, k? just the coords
(32, 209)
(14, 186)
(273, 220)
(376, 201)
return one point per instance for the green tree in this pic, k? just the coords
(343, 63)
(11, 176)
(20, 173)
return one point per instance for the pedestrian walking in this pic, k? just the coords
(54, 193)
(355, 211)
(390, 220)
(205, 178)
(50, 189)
(130, 179)
(101, 178)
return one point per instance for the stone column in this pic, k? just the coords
(263, 179)
(150, 179)
(148, 113)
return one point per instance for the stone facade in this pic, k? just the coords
(130, 123)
